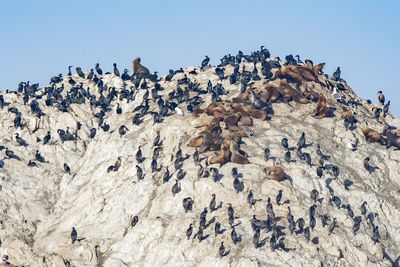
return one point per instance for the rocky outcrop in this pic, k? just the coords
(130, 209)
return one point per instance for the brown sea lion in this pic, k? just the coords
(318, 68)
(322, 110)
(245, 121)
(237, 156)
(298, 74)
(231, 122)
(371, 135)
(223, 155)
(196, 141)
(139, 69)
(275, 173)
(346, 114)
(273, 93)
(296, 95)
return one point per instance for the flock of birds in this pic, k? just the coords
(190, 96)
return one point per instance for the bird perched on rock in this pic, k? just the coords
(205, 61)
(116, 71)
(74, 235)
(80, 72)
(98, 69)
(336, 74)
(285, 143)
(381, 98)
(302, 141)
(367, 166)
(386, 109)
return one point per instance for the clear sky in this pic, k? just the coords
(39, 39)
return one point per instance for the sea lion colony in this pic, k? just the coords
(224, 122)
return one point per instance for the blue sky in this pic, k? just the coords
(39, 39)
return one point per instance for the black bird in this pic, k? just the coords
(375, 235)
(336, 74)
(332, 226)
(222, 250)
(238, 185)
(122, 130)
(67, 168)
(312, 222)
(250, 198)
(139, 156)
(356, 227)
(381, 98)
(139, 172)
(314, 194)
(20, 141)
(363, 208)
(284, 143)
(80, 72)
(312, 210)
(298, 59)
(187, 204)
(366, 165)
(349, 211)
(189, 231)
(347, 183)
(230, 210)
(270, 210)
(205, 61)
(92, 133)
(74, 235)
(30, 163)
(176, 188)
(116, 71)
(302, 141)
(39, 157)
(98, 69)
(125, 76)
(337, 201)
(287, 156)
(235, 238)
(386, 109)
(69, 71)
(119, 109)
(266, 154)
(169, 75)
(320, 171)
(279, 197)
(212, 203)
(134, 221)
(154, 166)
(91, 74)
(307, 233)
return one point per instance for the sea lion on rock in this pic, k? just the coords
(371, 135)
(346, 114)
(393, 139)
(139, 69)
(275, 173)
(196, 141)
(237, 156)
(223, 155)
(318, 68)
(298, 74)
(245, 121)
(322, 110)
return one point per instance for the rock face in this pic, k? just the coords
(89, 174)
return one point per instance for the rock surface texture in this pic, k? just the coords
(129, 163)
